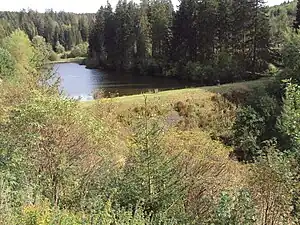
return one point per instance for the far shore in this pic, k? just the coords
(79, 60)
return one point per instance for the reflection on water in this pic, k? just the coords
(79, 82)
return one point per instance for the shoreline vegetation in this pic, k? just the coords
(79, 60)
(224, 89)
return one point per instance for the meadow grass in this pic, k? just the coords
(186, 93)
(68, 60)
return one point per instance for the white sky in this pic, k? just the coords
(78, 6)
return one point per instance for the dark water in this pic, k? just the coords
(79, 82)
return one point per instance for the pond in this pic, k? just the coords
(79, 82)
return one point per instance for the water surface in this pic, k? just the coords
(79, 82)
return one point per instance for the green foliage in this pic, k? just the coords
(236, 210)
(272, 69)
(291, 59)
(255, 124)
(61, 165)
(197, 71)
(203, 41)
(7, 64)
(53, 148)
(151, 177)
(289, 122)
(59, 48)
(79, 50)
(5, 29)
(69, 29)
(111, 215)
(20, 48)
(274, 175)
(248, 128)
(42, 51)
(53, 56)
(224, 68)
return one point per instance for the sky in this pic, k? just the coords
(77, 6)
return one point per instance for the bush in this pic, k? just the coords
(226, 67)
(64, 55)
(151, 177)
(255, 124)
(5, 29)
(273, 184)
(221, 70)
(59, 48)
(21, 49)
(98, 94)
(43, 51)
(272, 69)
(79, 50)
(55, 142)
(238, 209)
(248, 128)
(200, 72)
(289, 121)
(53, 56)
(7, 63)
(291, 60)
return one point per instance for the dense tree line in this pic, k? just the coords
(210, 41)
(203, 40)
(281, 21)
(58, 28)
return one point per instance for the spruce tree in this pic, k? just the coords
(242, 20)
(260, 35)
(224, 24)
(96, 37)
(206, 27)
(151, 177)
(185, 32)
(126, 15)
(110, 35)
(297, 20)
(161, 19)
(143, 48)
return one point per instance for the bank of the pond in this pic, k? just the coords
(79, 82)
(79, 60)
(169, 96)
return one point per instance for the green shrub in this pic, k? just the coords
(64, 55)
(5, 29)
(53, 141)
(255, 124)
(43, 51)
(98, 94)
(205, 73)
(79, 50)
(248, 128)
(291, 60)
(227, 67)
(272, 69)
(238, 209)
(151, 177)
(7, 64)
(53, 56)
(21, 49)
(273, 184)
(59, 48)
(289, 121)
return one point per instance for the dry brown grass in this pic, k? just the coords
(197, 125)
(209, 108)
(207, 167)
(192, 118)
